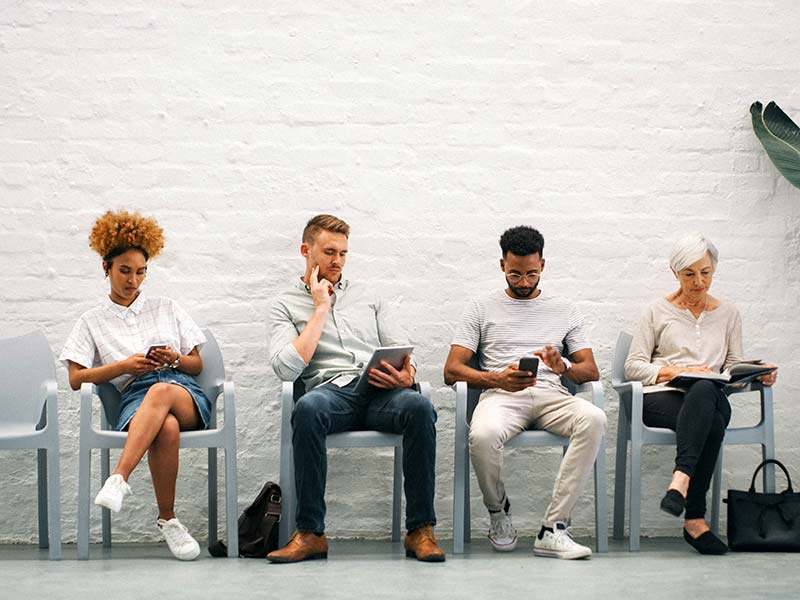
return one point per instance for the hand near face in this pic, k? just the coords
(321, 290)
(511, 379)
(389, 378)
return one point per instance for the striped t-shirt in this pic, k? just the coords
(501, 330)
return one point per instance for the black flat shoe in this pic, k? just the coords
(706, 543)
(673, 503)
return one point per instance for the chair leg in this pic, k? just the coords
(716, 485)
(41, 482)
(288, 506)
(601, 500)
(635, 500)
(54, 502)
(467, 504)
(620, 474)
(213, 508)
(459, 499)
(105, 471)
(84, 482)
(397, 501)
(231, 502)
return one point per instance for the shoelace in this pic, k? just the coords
(504, 528)
(566, 532)
(176, 532)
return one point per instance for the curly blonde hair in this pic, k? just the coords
(116, 232)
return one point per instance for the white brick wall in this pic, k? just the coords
(611, 126)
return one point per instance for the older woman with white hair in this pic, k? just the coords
(689, 330)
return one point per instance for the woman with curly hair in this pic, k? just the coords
(160, 397)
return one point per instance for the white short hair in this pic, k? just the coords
(691, 248)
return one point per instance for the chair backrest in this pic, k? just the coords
(210, 378)
(620, 355)
(26, 363)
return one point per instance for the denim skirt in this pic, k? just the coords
(134, 394)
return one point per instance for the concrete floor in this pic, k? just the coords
(665, 568)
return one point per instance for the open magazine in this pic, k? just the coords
(739, 374)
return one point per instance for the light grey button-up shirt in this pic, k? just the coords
(359, 322)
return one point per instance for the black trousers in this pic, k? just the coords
(699, 418)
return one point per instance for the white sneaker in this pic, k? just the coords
(559, 543)
(182, 545)
(502, 534)
(114, 490)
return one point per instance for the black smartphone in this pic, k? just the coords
(149, 353)
(529, 363)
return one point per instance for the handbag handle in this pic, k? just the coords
(772, 461)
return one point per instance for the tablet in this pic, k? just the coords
(394, 355)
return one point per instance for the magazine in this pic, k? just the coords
(739, 374)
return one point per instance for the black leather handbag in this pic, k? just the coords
(759, 521)
(257, 527)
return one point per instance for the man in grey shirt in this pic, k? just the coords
(324, 329)
(500, 328)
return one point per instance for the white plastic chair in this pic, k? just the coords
(212, 380)
(466, 401)
(290, 392)
(29, 419)
(632, 429)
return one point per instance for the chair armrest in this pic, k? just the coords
(229, 404)
(628, 387)
(595, 388)
(287, 397)
(51, 404)
(425, 389)
(87, 391)
(461, 404)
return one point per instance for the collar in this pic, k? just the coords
(122, 311)
(300, 285)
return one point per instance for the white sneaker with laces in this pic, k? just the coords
(182, 545)
(559, 543)
(113, 491)
(502, 534)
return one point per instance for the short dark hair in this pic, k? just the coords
(324, 223)
(522, 241)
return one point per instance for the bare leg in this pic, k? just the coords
(163, 460)
(162, 399)
(696, 527)
(680, 482)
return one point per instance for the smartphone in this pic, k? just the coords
(149, 352)
(529, 363)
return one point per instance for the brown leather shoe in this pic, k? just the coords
(421, 544)
(304, 545)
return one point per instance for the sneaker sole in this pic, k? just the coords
(562, 555)
(102, 502)
(312, 556)
(504, 547)
(432, 558)
(189, 557)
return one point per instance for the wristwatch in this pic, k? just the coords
(177, 363)
(567, 365)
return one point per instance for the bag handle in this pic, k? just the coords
(771, 461)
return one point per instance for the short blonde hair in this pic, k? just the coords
(324, 223)
(689, 249)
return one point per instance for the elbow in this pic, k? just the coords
(594, 375)
(450, 375)
(74, 383)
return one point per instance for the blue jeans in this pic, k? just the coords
(330, 409)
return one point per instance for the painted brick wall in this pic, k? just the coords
(612, 127)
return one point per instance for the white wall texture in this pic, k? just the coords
(612, 127)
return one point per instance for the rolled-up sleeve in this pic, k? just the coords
(286, 361)
(639, 366)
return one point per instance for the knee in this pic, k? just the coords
(169, 434)
(592, 421)
(418, 409)
(703, 391)
(159, 394)
(484, 437)
(307, 412)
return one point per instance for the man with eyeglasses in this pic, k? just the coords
(499, 329)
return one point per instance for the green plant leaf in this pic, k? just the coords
(780, 138)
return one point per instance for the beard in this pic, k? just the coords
(522, 292)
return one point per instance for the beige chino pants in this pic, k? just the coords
(501, 415)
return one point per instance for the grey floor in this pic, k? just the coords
(665, 568)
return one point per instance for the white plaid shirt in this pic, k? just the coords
(110, 333)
